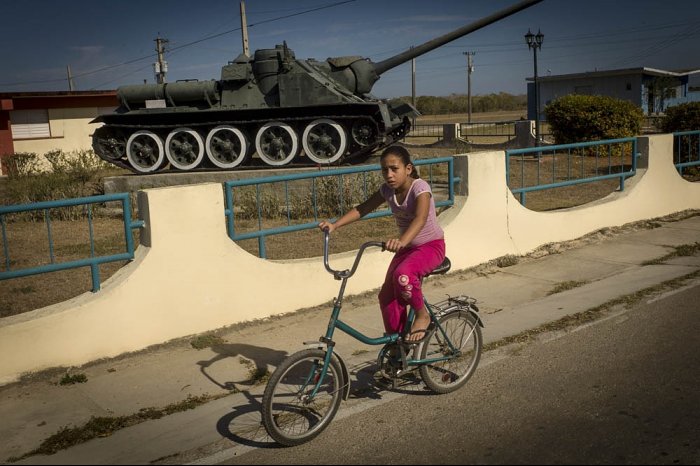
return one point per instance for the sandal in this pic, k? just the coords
(424, 331)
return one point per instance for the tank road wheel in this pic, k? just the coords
(324, 141)
(144, 150)
(184, 148)
(227, 147)
(364, 132)
(108, 143)
(276, 143)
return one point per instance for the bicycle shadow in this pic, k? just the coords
(243, 424)
(368, 384)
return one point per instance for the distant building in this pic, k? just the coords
(43, 121)
(651, 89)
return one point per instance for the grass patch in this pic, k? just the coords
(104, 426)
(72, 379)
(684, 250)
(590, 315)
(256, 375)
(565, 286)
(206, 341)
(507, 260)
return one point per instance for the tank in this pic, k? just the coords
(268, 110)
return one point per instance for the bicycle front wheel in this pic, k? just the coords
(291, 413)
(460, 359)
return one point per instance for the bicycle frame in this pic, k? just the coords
(335, 322)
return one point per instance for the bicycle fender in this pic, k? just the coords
(475, 314)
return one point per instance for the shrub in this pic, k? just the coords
(75, 174)
(683, 117)
(579, 118)
(21, 164)
(330, 199)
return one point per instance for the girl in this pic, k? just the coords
(419, 248)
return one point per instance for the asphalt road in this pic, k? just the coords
(621, 391)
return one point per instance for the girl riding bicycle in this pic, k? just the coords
(419, 248)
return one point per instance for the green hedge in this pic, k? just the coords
(683, 117)
(580, 118)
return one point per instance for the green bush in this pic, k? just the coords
(75, 174)
(683, 117)
(580, 118)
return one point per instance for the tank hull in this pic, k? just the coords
(354, 131)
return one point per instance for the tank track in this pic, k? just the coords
(357, 153)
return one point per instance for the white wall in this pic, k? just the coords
(189, 277)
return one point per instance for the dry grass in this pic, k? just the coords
(28, 241)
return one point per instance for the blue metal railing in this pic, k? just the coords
(261, 233)
(94, 260)
(600, 150)
(686, 149)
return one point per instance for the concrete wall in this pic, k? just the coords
(188, 277)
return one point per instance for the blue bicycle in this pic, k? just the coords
(305, 391)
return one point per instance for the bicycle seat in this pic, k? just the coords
(442, 268)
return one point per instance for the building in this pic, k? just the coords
(651, 89)
(39, 122)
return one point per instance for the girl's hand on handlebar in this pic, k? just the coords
(394, 245)
(326, 226)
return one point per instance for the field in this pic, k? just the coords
(28, 241)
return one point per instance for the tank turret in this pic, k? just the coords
(285, 110)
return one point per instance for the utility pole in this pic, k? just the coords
(470, 69)
(244, 30)
(70, 78)
(413, 87)
(161, 66)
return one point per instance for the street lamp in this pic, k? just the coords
(534, 42)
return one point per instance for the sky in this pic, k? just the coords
(109, 43)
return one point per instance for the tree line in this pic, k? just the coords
(459, 103)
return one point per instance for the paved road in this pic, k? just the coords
(621, 391)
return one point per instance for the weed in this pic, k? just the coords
(72, 379)
(507, 260)
(683, 250)
(568, 285)
(256, 375)
(104, 426)
(206, 341)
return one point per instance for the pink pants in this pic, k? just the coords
(402, 286)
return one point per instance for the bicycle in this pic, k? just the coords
(304, 393)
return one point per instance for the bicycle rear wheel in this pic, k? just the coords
(290, 414)
(463, 331)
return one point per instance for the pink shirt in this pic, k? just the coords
(405, 212)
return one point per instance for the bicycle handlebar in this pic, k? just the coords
(338, 274)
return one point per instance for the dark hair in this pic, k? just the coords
(404, 155)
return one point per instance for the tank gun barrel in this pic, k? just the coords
(396, 60)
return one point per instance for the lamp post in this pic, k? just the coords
(534, 42)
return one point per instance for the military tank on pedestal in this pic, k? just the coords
(272, 104)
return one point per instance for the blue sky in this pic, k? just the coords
(112, 43)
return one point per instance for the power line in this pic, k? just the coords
(213, 36)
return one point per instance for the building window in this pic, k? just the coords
(28, 124)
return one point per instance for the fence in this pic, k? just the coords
(309, 198)
(686, 149)
(487, 129)
(52, 265)
(592, 158)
